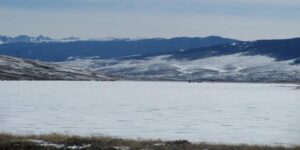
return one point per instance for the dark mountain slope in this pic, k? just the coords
(61, 51)
(280, 49)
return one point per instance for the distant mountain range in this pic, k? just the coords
(22, 69)
(60, 50)
(196, 59)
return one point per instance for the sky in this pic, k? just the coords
(90, 19)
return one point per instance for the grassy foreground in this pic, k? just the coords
(60, 141)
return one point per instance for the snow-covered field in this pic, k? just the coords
(212, 112)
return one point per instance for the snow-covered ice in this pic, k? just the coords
(212, 112)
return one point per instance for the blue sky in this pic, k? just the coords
(242, 19)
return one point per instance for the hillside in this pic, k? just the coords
(22, 69)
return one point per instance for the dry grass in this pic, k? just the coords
(20, 142)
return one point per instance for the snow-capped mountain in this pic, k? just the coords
(22, 69)
(24, 38)
(256, 61)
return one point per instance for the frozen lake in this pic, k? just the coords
(210, 112)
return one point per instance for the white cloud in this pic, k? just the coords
(95, 24)
(247, 19)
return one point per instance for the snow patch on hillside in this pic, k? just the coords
(235, 66)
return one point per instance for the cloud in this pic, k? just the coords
(106, 24)
(267, 8)
(243, 19)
